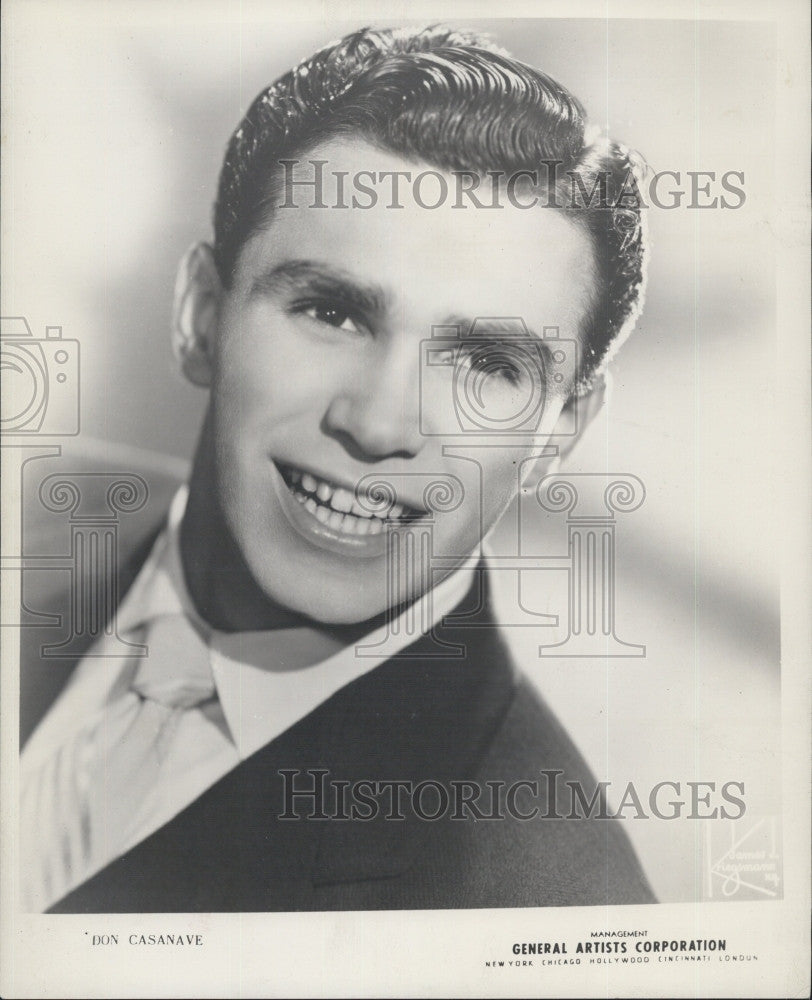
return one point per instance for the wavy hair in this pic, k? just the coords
(460, 103)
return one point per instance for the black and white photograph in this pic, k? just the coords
(405, 440)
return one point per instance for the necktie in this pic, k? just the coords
(80, 810)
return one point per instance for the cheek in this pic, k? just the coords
(266, 377)
(488, 493)
(502, 479)
(501, 484)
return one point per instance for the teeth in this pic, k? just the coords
(342, 500)
(358, 510)
(337, 507)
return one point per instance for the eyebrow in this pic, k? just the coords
(323, 280)
(369, 298)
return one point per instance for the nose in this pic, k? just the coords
(376, 411)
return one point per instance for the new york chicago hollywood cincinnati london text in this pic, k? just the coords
(312, 794)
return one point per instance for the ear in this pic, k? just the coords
(579, 412)
(196, 312)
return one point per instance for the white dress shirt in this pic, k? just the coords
(264, 685)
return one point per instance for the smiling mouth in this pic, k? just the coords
(338, 508)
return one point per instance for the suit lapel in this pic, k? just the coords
(412, 719)
(418, 721)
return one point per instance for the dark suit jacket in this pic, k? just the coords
(415, 719)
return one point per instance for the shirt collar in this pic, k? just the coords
(263, 685)
(160, 587)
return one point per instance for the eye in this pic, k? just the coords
(495, 362)
(331, 313)
(500, 368)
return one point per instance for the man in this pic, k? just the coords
(293, 740)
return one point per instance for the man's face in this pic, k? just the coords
(317, 381)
